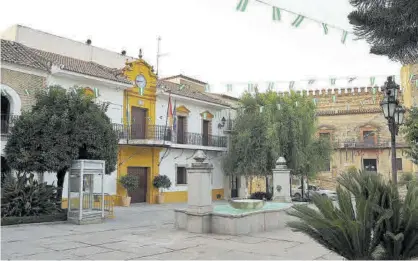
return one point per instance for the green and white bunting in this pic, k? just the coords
(27, 92)
(351, 79)
(291, 85)
(229, 87)
(333, 80)
(344, 36)
(261, 109)
(279, 106)
(207, 88)
(141, 91)
(242, 5)
(298, 21)
(181, 87)
(372, 80)
(96, 92)
(325, 27)
(314, 101)
(312, 81)
(334, 98)
(276, 14)
(270, 86)
(374, 90)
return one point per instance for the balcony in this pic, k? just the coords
(142, 135)
(190, 138)
(7, 122)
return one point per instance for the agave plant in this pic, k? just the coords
(370, 221)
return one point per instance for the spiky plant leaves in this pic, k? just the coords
(347, 230)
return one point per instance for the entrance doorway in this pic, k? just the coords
(140, 193)
(234, 186)
(370, 165)
(139, 123)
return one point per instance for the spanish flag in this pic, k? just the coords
(170, 112)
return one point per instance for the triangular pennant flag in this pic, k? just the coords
(374, 90)
(410, 77)
(372, 79)
(311, 81)
(261, 109)
(298, 21)
(279, 106)
(181, 87)
(242, 5)
(27, 92)
(325, 27)
(334, 98)
(291, 84)
(207, 88)
(314, 101)
(344, 36)
(229, 87)
(276, 14)
(270, 86)
(333, 80)
(96, 92)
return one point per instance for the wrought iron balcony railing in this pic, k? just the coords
(141, 132)
(7, 122)
(191, 138)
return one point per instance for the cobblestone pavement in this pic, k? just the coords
(147, 232)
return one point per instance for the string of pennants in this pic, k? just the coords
(309, 84)
(298, 19)
(28, 92)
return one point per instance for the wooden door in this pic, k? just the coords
(138, 121)
(205, 133)
(180, 130)
(140, 193)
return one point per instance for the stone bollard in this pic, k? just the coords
(281, 177)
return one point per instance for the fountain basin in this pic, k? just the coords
(246, 203)
(227, 220)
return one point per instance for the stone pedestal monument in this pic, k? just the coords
(197, 217)
(281, 179)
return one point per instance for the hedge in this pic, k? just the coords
(7, 221)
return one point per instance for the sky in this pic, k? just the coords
(210, 40)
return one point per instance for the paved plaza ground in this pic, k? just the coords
(147, 232)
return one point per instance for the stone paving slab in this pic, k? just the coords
(147, 232)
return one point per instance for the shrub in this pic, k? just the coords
(25, 196)
(376, 224)
(406, 178)
(261, 195)
(129, 182)
(161, 182)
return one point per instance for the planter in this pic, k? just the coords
(126, 201)
(160, 198)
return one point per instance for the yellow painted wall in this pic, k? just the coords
(136, 156)
(181, 196)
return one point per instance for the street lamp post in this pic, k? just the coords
(394, 113)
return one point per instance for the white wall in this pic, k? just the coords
(195, 119)
(108, 94)
(183, 158)
(64, 46)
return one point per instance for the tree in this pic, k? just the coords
(411, 134)
(269, 126)
(62, 126)
(390, 26)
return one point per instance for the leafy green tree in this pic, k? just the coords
(62, 126)
(389, 26)
(270, 125)
(370, 220)
(411, 134)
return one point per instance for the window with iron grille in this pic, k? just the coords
(399, 163)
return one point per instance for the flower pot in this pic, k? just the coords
(160, 198)
(126, 201)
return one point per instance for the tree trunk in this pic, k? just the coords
(60, 184)
(303, 186)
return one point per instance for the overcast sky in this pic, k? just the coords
(209, 39)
